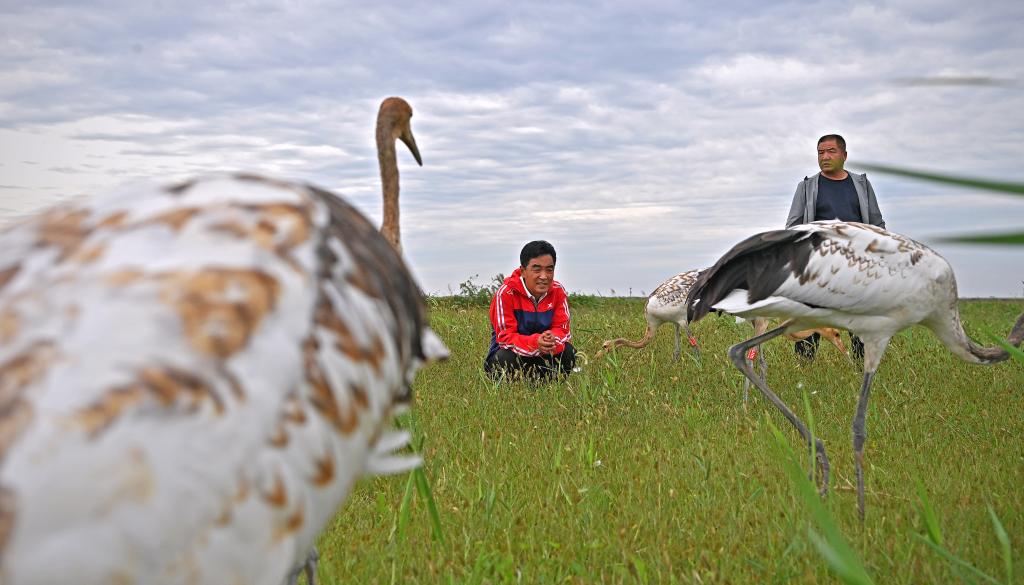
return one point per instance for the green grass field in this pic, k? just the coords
(640, 469)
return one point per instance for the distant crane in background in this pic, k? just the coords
(667, 304)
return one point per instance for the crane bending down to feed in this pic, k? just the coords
(667, 304)
(193, 376)
(859, 277)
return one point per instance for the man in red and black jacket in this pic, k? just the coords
(530, 319)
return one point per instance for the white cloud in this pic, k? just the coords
(643, 139)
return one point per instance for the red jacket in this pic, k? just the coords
(517, 321)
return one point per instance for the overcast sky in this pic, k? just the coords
(641, 138)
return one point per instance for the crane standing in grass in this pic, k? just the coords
(192, 378)
(667, 304)
(854, 276)
(393, 124)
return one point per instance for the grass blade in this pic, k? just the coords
(998, 186)
(1015, 353)
(1001, 239)
(848, 569)
(423, 487)
(404, 511)
(931, 519)
(640, 568)
(934, 540)
(958, 563)
(830, 543)
(1004, 543)
(809, 414)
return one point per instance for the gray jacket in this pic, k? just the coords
(806, 199)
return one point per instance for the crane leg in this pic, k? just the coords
(737, 354)
(679, 347)
(746, 390)
(764, 372)
(859, 436)
(691, 340)
(314, 557)
(308, 566)
(764, 365)
(760, 325)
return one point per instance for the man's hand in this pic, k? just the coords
(546, 342)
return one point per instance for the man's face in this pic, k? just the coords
(538, 274)
(831, 158)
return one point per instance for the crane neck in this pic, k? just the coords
(956, 339)
(387, 158)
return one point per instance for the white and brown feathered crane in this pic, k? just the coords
(853, 276)
(193, 376)
(667, 304)
(393, 124)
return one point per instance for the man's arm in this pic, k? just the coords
(796, 210)
(506, 328)
(560, 322)
(874, 213)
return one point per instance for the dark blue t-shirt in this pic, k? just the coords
(837, 200)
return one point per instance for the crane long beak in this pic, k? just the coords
(407, 137)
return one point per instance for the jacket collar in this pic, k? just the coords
(857, 177)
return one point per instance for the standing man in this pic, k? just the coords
(834, 193)
(530, 319)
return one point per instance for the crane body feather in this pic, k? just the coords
(192, 378)
(830, 274)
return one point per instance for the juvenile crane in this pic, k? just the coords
(667, 304)
(193, 376)
(393, 124)
(858, 277)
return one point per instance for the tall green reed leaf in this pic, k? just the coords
(966, 571)
(1015, 353)
(928, 515)
(423, 488)
(969, 573)
(640, 568)
(809, 416)
(1013, 239)
(1004, 543)
(830, 543)
(998, 239)
(997, 186)
(404, 512)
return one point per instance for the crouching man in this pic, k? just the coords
(530, 320)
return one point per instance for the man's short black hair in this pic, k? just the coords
(536, 249)
(839, 140)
